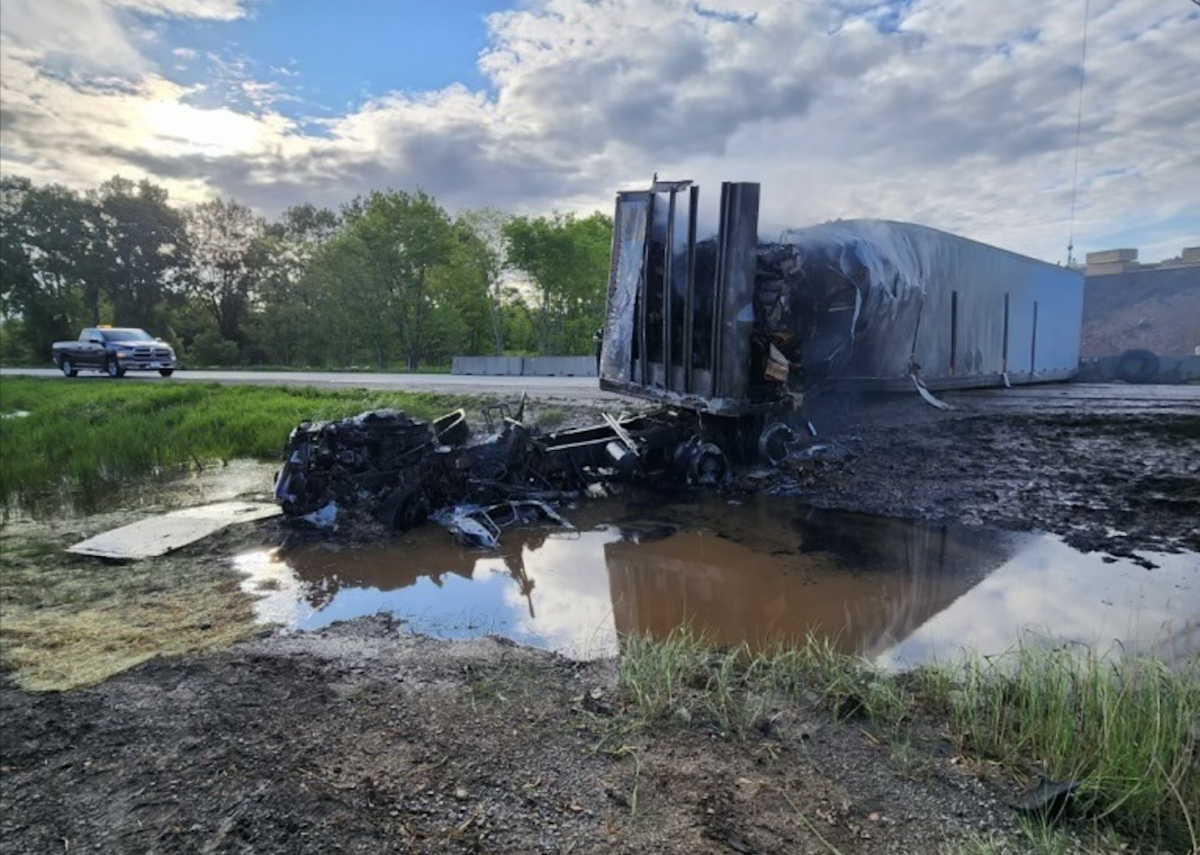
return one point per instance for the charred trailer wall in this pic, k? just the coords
(874, 301)
(680, 319)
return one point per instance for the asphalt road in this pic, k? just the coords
(543, 387)
(1095, 398)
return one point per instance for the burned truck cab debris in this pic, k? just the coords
(378, 460)
(401, 471)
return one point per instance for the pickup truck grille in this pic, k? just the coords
(151, 353)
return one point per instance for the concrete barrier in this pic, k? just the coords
(529, 366)
(487, 365)
(560, 366)
(1170, 369)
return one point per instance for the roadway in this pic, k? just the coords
(451, 384)
(1076, 398)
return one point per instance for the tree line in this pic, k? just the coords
(390, 280)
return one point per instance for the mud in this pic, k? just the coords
(1110, 472)
(366, 738)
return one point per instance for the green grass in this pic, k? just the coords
(657, 674)
(683, 676)
(90, 434)
(1126, 729)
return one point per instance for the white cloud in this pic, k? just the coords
(959, 115)
(80, 33)
(1057, 594)
(211, 10)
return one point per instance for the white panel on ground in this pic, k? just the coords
(159, 535)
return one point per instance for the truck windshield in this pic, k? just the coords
(126, 334)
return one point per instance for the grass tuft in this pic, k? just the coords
(656, 674)
(1126, 730)
(683, 675)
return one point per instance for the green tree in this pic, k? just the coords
(18, 275)
(566, 262)
(47, 278)
(350, 302)
(141, 251)
(407, 238)
(293, 322)
(483, 254)
(227, 261)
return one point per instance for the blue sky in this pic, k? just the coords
(952, 113)
(331, 57)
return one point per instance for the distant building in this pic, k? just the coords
(1189, 258)
(1127, 305)
(1108, 261)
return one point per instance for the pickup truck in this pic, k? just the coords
(114, 350)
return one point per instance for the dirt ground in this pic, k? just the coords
(366, 738)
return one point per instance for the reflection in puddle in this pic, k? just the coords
(169, 490)
(761, 571)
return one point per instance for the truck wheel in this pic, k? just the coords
(166, 372)
(114, 369)
(67, 368)
(773, 443)
(1137, 366)
(403, 509)
(708, 465)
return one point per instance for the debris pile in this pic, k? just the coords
(372, 460)
(401, 471)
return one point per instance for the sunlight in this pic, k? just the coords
(182, 129)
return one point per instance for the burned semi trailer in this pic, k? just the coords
(880, 304)
(739, 330)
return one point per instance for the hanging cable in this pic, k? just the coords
(1078, 132)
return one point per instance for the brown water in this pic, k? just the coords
(760, 571)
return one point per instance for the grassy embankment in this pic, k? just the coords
(1124, 730)
(66, 621)
(90, 434)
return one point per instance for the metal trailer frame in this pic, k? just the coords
(672, 333)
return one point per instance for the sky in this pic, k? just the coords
(955, 114)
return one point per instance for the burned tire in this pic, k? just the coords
(773, 443)
(1137, 366)
(67, 368)
(403, 509)
(708, 465)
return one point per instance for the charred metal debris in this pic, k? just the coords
(402, 471)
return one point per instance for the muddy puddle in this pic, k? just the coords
(760, 570)
(167, 490)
